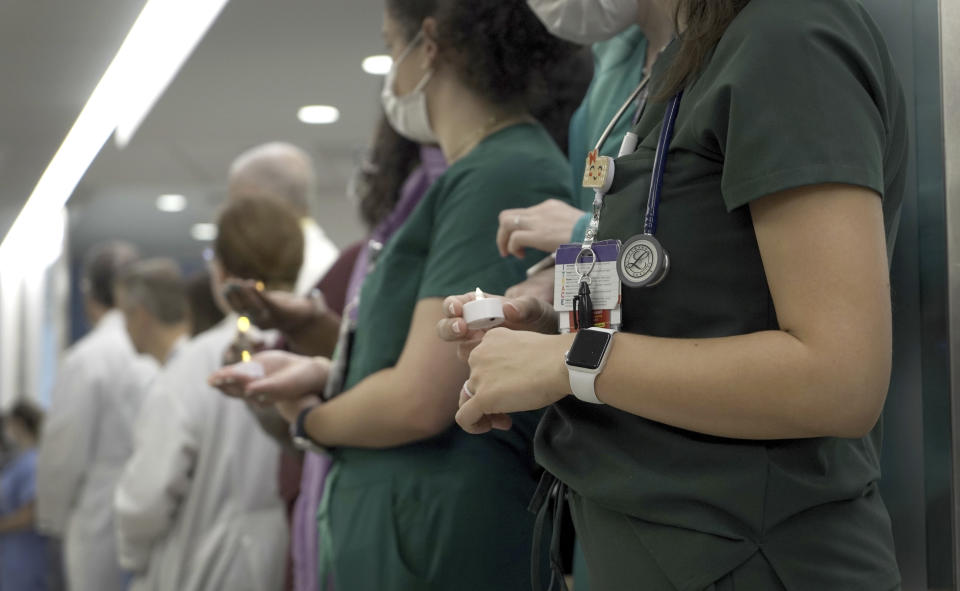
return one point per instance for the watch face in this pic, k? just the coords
(588, 348)
(642, 261)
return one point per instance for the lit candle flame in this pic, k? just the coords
(479, 294)
(245, 356)
(243, 324)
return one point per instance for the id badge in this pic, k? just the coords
(604, 285)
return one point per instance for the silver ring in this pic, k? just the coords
(261, 398)
(466, 390)
(516, 222)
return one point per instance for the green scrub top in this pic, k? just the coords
(617, 70)
(795, 94)
(448, 512)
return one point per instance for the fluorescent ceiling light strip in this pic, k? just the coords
(165, 36)
(157, 30)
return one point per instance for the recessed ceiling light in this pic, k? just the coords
(171, 203)
(318, 114)
(377, 65)
(204, 232)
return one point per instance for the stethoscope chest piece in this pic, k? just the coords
(643, 262)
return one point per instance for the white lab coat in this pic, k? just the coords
(197, 505)
(86, 440)
(319, 254)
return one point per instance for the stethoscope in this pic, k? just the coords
(642, 262)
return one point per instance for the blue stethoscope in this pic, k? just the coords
(642, 262)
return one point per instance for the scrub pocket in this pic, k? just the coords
(364, 541)
(438, 531)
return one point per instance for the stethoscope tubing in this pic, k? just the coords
(659, 165)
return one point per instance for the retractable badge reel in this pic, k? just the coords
(597, 175)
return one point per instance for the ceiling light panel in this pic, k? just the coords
(378, 65)
(318, 114)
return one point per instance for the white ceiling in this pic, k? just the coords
(257, 65)
(53, 53)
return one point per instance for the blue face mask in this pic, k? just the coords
(585, 21)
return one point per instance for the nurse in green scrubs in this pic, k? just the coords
(735, 444)
(413, 503)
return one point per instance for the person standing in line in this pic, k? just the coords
(152, 296)
(405, 486)
(197, 505)
(388, 186)
(279, 170)
(24, 561)
(87, 436)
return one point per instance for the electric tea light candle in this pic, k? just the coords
(483, 313)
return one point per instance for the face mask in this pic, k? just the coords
(407, 114)
(585, 21)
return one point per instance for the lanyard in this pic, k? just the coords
(620, 112)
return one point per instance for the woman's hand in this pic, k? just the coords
(512, 371)
(287, 376)
(544, 227)
(524, 313)
(279, 310)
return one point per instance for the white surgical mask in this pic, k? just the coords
(585, 21)
(407, 114)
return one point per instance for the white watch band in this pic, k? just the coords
(582, 381)
(582, 385)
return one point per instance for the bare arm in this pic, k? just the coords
(824, 373)
(413, 400)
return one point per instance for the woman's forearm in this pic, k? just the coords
(765, 385)
(384, 410)
(413, 400)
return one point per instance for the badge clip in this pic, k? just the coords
(598, 172)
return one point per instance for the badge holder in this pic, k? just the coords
(586, 290)
(577, 272)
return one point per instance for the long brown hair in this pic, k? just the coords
(382, 173)
(705, 23)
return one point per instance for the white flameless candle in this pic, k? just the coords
(483, 313)
(249, 368)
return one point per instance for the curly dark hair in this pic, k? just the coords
(558, 93)
(500, 48)
(390, 161)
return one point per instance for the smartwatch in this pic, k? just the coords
(585, 360)
(298, 433)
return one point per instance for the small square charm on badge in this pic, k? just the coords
(595, 171)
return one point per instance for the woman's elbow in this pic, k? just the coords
(860, 403)
(857, 423)
(428, 419)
